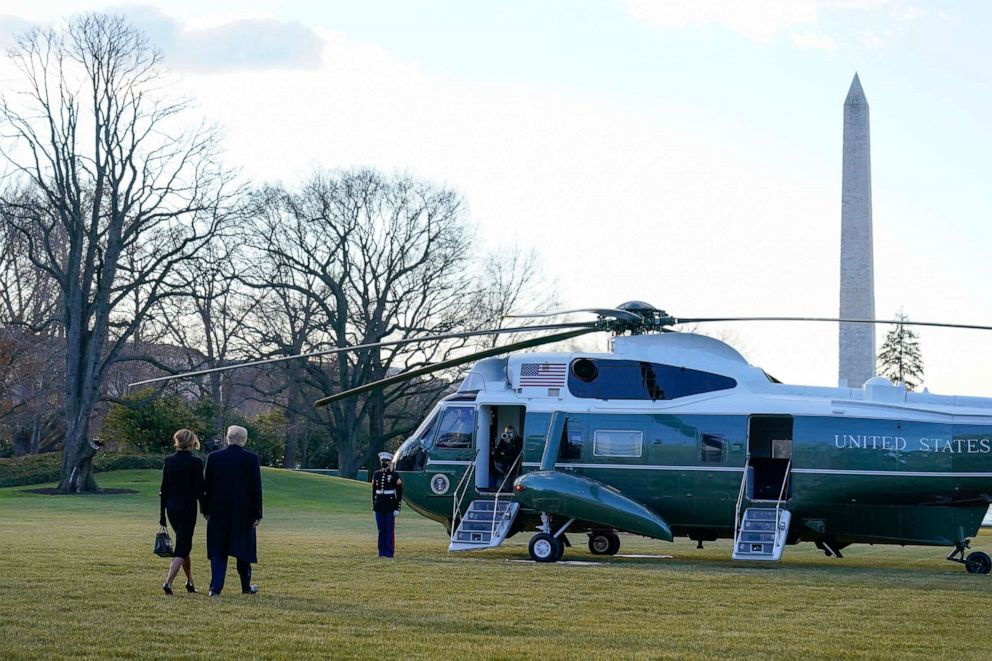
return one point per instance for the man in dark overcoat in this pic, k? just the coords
(233, 509)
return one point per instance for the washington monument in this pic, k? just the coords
(857, 279)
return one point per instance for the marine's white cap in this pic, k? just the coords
(385, 456)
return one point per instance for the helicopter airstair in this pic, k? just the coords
(761, 532)
(486, 522)
(485, 525)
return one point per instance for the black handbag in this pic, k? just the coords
(163, 543)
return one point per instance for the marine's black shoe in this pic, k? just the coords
(252, 589)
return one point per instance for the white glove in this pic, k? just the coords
(396, 513)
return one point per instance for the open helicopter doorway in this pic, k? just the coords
(499, 444)
(769, 447)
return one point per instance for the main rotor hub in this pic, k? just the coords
(645, 318)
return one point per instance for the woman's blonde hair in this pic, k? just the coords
(186, 440)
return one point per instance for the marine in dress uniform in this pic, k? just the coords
(387, 494)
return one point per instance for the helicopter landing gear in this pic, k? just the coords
(548, 547)
(830, 547)
(977, 562)
(603, 542)
(544, 547)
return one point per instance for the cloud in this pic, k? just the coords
(10, 27)
(236, 44)
(821, 42)
(757, 20)
(243, 44)
(905, 14)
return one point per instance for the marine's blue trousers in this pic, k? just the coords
(386, 521)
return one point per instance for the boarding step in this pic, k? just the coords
(762, 534)
(485, 525)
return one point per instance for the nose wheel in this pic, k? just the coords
(545, 547)
(976, 562)
(548, 547)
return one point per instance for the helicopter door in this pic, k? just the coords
(499, 444)
(769, 446)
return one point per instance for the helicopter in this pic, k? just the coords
(673, 434)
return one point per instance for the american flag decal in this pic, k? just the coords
(550, 375)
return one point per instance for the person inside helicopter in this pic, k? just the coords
(505, 455)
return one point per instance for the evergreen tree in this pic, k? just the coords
(899, 358)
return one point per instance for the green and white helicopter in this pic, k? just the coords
(675, 434)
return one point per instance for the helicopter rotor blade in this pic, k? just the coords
(602, 312)
(937, 324)
(454, 362)
(591, 325)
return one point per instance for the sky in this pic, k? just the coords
(685, 153)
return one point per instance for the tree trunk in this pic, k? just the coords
(377, 417)
(294, 405)
(36, 433)
(77, 454)
(77, 459)
(349, 459)
(292, 417)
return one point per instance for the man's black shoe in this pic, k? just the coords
(252, 589)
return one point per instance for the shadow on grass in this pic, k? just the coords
(51, 491)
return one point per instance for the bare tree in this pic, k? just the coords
(210, 315)
(512, 280)
(32, 341)
(359, 257)
(114, 171)
(288, 318)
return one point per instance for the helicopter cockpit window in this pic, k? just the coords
(427, 429)
(617, 443)
(638, 379)
(455, 429)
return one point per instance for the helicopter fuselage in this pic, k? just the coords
(682, 425)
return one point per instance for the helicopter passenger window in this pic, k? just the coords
(638, 379)
(617, 443)
(712, 448)
(455, 430)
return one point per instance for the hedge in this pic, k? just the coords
(41, 468)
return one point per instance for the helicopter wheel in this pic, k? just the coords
(544, 547)
(978, 563)
(603, 542)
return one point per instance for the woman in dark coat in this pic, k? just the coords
(182, 489)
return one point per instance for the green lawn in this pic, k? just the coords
(78, 579)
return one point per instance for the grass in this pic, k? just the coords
(78, 579)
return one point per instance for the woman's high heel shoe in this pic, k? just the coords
(166, 588)
(190, 587)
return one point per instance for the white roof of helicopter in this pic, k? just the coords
(498, 380)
